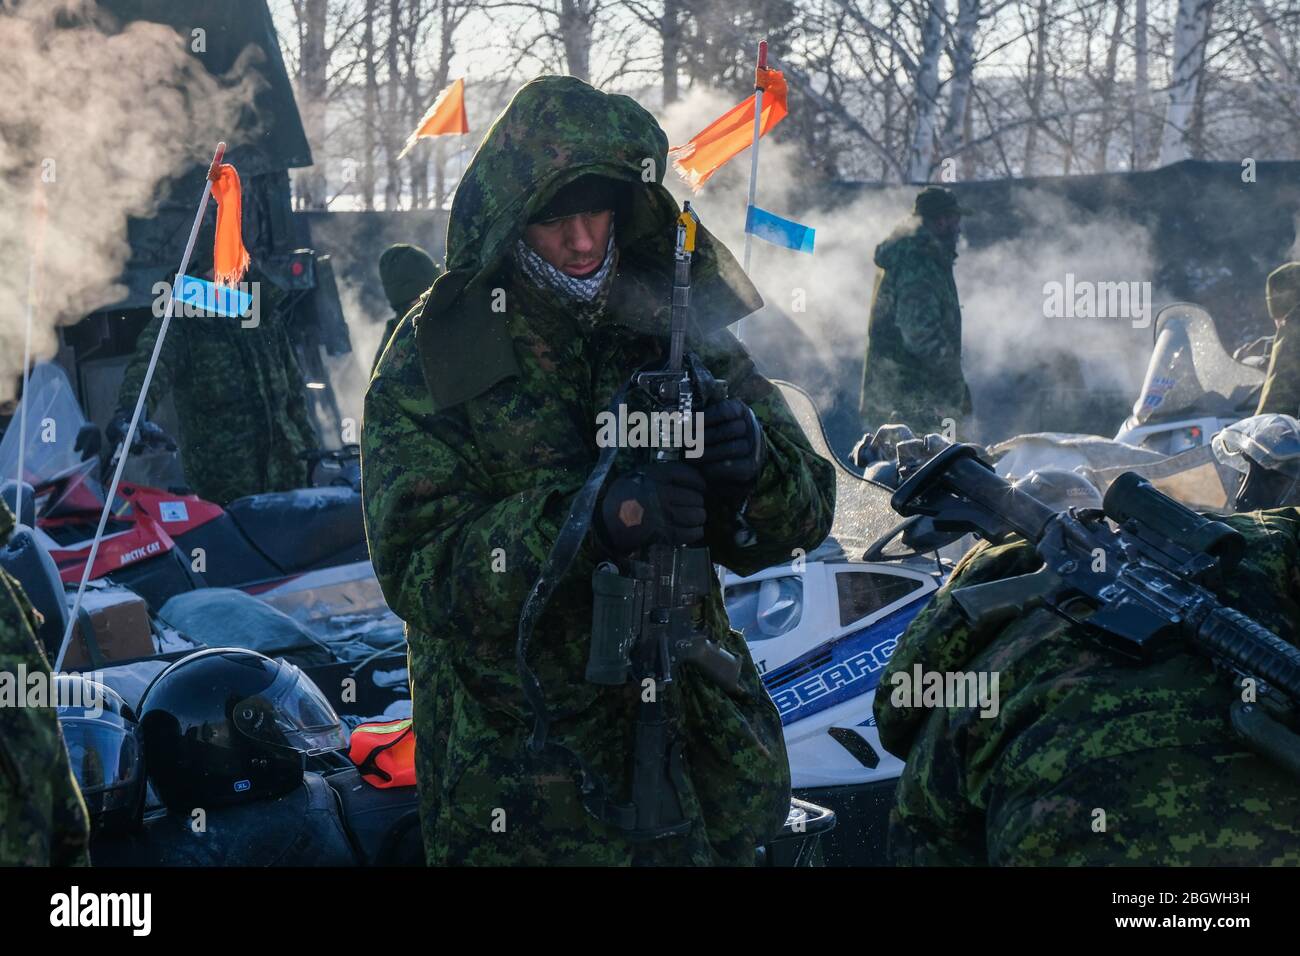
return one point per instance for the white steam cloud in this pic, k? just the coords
(93, 119)
(1008, 341)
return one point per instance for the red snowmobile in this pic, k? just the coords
(163, 541)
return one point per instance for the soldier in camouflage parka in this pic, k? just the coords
(239, 395)
(480, 426)
(912, 369)
(43, 819)
(1090, 759)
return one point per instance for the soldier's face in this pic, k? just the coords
(949, 227)
(574, 244)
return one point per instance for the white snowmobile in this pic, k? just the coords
(821, 630)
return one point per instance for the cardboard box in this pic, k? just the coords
(119, 624)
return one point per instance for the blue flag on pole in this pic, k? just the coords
(780, 232)
(213, 299)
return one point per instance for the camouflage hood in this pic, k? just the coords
(910, 238)
(554, 130)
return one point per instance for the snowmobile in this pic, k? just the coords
(821, 630)
(1193, 387)
(1192, 390)
(305, 546)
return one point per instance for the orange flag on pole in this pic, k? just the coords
(446, 115)
(731, 133)
(229, 257)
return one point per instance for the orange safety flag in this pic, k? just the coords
(229, 257)
(446, 115)
(731, 133)
(384, 753)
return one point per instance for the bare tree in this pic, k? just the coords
(1191, 32)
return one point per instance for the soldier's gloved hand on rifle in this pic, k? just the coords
(147, 434)
(662, 502)
(733, 449)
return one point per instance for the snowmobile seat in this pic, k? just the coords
(26, 560)
(301, 529)
(225, 617)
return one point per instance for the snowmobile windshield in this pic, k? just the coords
(1190, 373)
(1270, 441)
(862, 511)
(291, 712)
(53, 419)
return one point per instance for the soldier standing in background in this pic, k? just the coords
(912, 371)
(238, 391)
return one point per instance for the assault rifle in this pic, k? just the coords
(1147, 578)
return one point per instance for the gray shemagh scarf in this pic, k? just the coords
(545, 276)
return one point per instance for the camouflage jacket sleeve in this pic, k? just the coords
(794, 502)
(43, 819)
(935, 820)
(164, 373)
(920, 281)
(1281, 391)
(451, 558)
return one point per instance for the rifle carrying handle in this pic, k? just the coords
(1256, 650)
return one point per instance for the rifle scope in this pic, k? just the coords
(1132, 498)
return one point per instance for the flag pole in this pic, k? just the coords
(753, 168)
(139, 406)
(753, 157)
(40, 213)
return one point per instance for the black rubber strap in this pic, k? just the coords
(558, 561)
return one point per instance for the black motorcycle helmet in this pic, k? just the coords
(227, 725)
(104, 749)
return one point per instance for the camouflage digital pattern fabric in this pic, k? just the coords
(464, 499)
(239, 395)
(1080, 733)
(389, 328)
(912, 370)
(43, 819)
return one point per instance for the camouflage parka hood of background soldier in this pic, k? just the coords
(480, 426)
(43, 819)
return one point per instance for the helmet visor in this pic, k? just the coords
(292, 712)
(1272, 441)
(105, 759)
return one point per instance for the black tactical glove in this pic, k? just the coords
(89, 441)
(662, 502)
(147, 434)
(733, 451)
